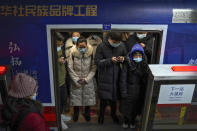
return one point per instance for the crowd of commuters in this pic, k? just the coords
(89, 65)
(117, 67)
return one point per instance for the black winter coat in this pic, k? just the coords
(108, 72)
(133, 87)
(148, 41)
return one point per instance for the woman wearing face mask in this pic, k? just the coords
(22, 112)
(82, 69)
(132, 85)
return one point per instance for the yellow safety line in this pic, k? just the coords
(182, 114)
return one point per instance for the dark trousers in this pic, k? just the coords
(104, 103)
(62, 97)
(86, 114)
(87, 110)
(131, 119)
(130, 111)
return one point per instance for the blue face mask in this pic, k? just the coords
(137, 59)
(82, 50)
(34, 97)
(131, 33)
(58, 49)
(74, 39)
(114, 45)
(141, 36)
(95, 37)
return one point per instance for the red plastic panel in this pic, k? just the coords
(49, 115)
(184, 68)
(3, 70)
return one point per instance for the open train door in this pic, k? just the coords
(159, 32)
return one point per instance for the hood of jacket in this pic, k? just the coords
(69, 43)
(137, 47)
(88, 53)
(94, 42)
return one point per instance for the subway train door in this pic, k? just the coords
(64, 32)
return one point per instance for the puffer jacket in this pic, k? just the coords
(108, 72)
(81, 66)
(69, 46)
(133, 80)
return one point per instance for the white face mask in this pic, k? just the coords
(131, 33)
(137, 59)
(58, 49)
(141, 36)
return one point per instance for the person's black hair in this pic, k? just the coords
(59, 36)
(87, 34)
(59, 39)
(80, 40)
(135, 52)
(115, 36)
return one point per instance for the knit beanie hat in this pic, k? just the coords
(23, 86)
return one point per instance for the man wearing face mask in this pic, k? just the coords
(109, 56)
(82, 69)
(133, 79)
(145, 39)
(69, 46)
(62, 86)
(71, 42)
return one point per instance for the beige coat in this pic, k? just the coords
(69, 46)
(94, 43)
(82, 66)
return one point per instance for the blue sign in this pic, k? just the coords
(106, 27)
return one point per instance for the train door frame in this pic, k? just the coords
(89, 28)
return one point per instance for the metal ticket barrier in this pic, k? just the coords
(171, 98)
(5, 80)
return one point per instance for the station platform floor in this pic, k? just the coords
(108, 126)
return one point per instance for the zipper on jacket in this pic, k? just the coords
(81, 77)
(113, 76)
